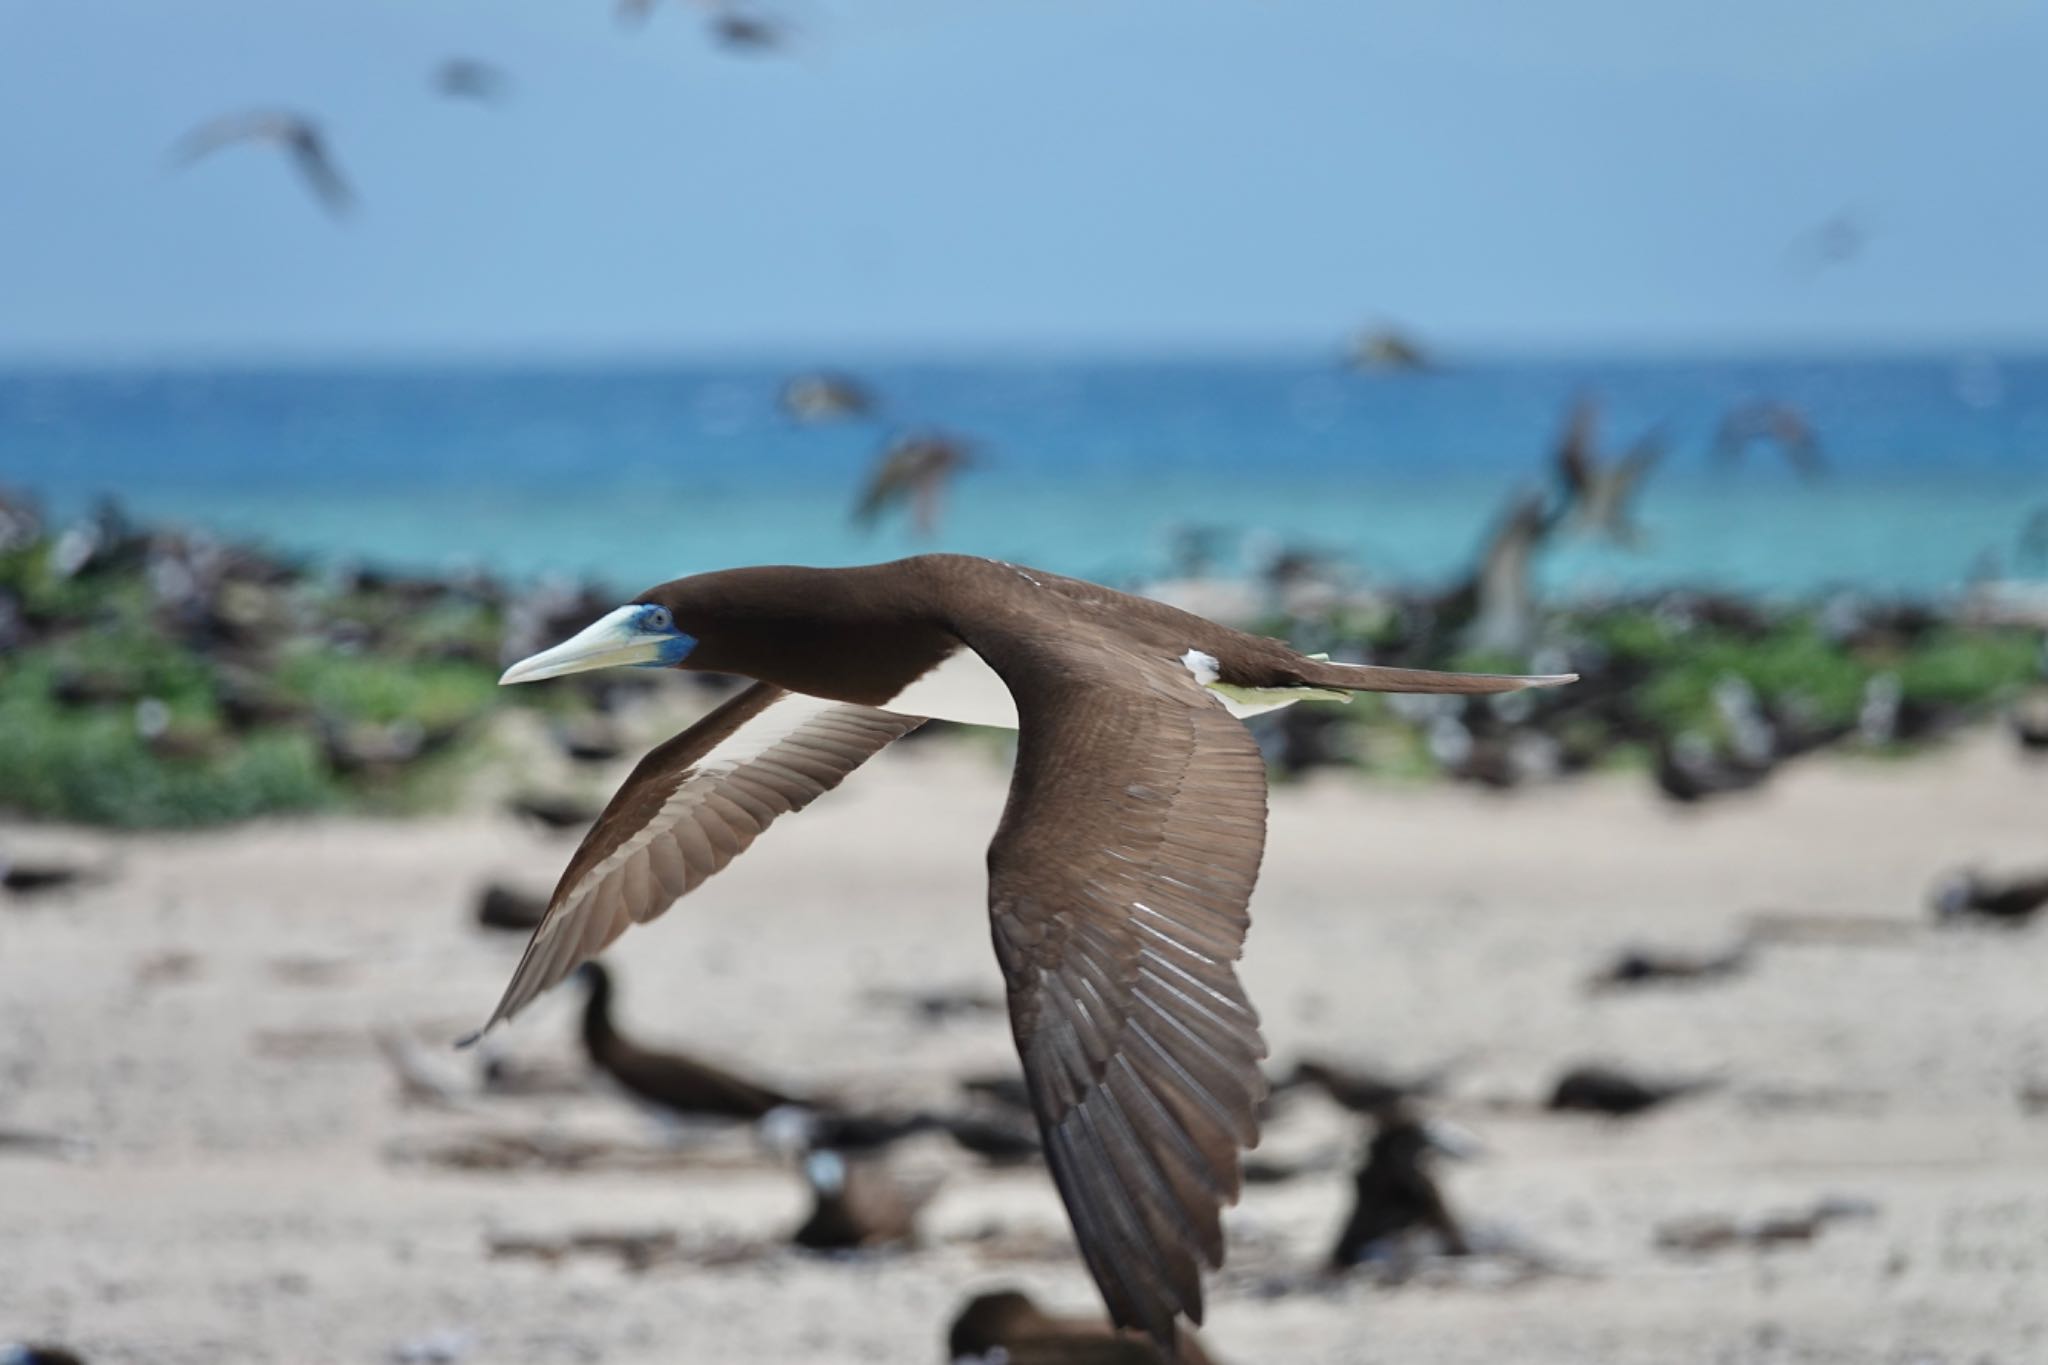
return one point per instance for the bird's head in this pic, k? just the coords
(642, 634)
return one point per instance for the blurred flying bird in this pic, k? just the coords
(1498, 602)
(467, 78)
(826, 397)
(1610, 1090)
(296, 134)
(858, 1205)
(915, 469)
(1395, 1193)
(1836, 240)
(1597, 494)
(680, 1084)
(1384, 348)
(1782, 425)
(1006, 1328)
(2013, 899)
(750, 33)
(1119, 875)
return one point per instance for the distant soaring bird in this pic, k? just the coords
(1384, 348)
(295, 133)
(1780, 424)
(1119, 876)
(824, 396)
(465, 78)
(1599, 494)
(913, 469)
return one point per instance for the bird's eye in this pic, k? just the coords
(657, 619)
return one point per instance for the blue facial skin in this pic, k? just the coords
(675, 645)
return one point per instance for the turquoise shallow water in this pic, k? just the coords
(639, 474)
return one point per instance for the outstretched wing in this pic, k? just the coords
(691, 807)
(1118, 885)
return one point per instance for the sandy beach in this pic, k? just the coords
(254, 1190)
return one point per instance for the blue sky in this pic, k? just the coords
(934, 176)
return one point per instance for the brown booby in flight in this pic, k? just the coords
(1119, 875)
(1598, 493)
(913, 469)
(469, 79)
(295, 133)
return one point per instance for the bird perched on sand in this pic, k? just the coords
(1610, 1090)
(1778, 424)
(1119, 876)
(915, 469)
(1395, 1194)
(1598, 493)
(2011, 899)
(1006, 1328)
(858, 1205)
(678, 1084)
(299, 136)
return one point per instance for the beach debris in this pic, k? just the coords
(501, 905)
(939, 1004)
(1602, 1089)
(826, 396)
(297, 135)
(470, 79)
(165, 968)
(1709, 1233)
(913, 470)
(1004, 1327)
(2033, 1097)
(1780, 425)
(858, 1205)
(635, 1251)
(445, 1346)
(1395, 1195)
(2013, 900)
(549, 1150)
(420, 1081)
(1638, 966)
(40, 1142)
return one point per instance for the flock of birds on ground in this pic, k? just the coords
(1398, 1222)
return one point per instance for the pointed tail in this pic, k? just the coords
(1373, 678)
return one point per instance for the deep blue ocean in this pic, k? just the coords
(636, 474)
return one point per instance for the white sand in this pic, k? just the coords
(238, 1204)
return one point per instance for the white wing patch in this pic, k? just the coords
(1244, 702)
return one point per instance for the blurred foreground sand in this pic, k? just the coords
(238, 1203)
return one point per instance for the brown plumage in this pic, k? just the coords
(1008, 1327)
(1118, 879)
(1774, 423)
(300, 137)
(858, 1205)
(916, 470)
(677, 1083)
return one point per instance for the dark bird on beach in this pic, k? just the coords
(298, 136)
(824, 396)
(1006, 1328)
(32, 1354)
(2011, 899)
(671, 1081)
(2029, 721)
(1640, 966)
(916, 470)
(1395, 1194)
(1360, 1089)
(554, 810)
(500, 906)
(858, 1205)
(1689, 770)
(1384, 348)
(1598, 494)
(469, 79)
(1610, 1090)
(1119, 875)
(1781, 425)
(30, 879)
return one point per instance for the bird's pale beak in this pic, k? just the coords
(612, 641)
